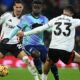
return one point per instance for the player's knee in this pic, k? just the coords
(36, 54)
(50, 61)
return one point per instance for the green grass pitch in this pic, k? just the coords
(23, 74)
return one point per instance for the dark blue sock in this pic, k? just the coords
(54, 70)
(38, 65)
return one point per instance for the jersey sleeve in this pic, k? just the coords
(23, 23)
(3, 17)
(36, 30)
(51, 22)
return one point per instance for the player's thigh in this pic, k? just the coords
(21, 54)
(53, 55)
(32, 50)
(76, 57)
(43, 52)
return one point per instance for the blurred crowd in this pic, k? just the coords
(51, 9)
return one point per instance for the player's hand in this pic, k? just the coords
(5, 40)
(20, 34)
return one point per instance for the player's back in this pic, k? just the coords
(34, 22)
(63, 33)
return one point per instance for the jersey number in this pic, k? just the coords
(58, 30)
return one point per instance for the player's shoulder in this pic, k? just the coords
(44, 17)
(62, 17)
(6, 14)
(54, 19)
(24, 16)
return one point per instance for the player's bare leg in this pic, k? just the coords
(31, 67)
(46, 69)
(77, 57)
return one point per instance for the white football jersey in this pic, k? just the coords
(8, 22)
(63, 32)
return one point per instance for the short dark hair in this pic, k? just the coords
(37, 2)
(70, 8)
(18, 1)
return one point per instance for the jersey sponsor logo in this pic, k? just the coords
(9, 26)
(36, 25)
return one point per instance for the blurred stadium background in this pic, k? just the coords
(51, 9)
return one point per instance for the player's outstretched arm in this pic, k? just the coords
(37, 30)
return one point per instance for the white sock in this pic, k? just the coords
(44, 76)
(32, 70)
(40, 76)
(31, 67)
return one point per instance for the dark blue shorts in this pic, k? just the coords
(41, 48)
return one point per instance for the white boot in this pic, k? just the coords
(36, 77)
